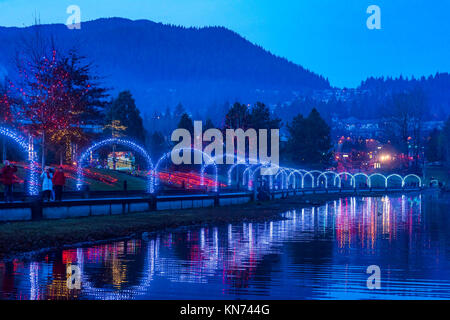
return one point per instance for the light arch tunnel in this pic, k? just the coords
(284, 178)
(290, 178)
(152, 170)
(26, 148)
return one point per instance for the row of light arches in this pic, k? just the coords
(283, 178)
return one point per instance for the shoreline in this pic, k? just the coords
(28, 239)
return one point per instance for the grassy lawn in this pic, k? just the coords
(134, 183)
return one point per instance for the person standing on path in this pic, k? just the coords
(8, 180)
(59, 180)
(47, 185)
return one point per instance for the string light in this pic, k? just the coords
(27, 149)
(248, 177)
(115, 141)
(209, 162)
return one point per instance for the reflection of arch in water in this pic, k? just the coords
(372, 176)
(126, 294)
(27, 150)
(115, 141)
(324, 175)
(414, 176)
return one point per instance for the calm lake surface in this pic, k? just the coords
(316, 253)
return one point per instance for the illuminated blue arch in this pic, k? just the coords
(311, 175)
(116, 141)
(238, 162)
(260, 166)
(412, 176)
(209, 161)
(356, 175)
(348, 174)
(324, 174)
(378, 175)
(284, 179)
(394, 176)
(26, 148)
(292, 174)
(246, 175)
(249, 173)
(307, 173)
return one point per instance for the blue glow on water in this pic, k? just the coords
(316, 253)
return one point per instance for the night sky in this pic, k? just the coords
(329, 37)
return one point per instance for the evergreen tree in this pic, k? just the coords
(260, 118)
(186, 123)
(124, 110)
(179, 111)
(310, 140)
(55, 95)
(238, 117)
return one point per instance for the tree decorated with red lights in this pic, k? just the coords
(6, 115)
(5, 109)
(57, 95)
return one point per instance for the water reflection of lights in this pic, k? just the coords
(231, 253)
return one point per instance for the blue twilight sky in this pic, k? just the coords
(329, 37)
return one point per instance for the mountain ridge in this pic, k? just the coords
(164, 64)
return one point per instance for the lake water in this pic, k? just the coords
(316, 253)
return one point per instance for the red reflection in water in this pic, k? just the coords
(376, 219)
(234, 255)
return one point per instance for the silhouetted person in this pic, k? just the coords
(125, 185)
(59, 180)
(8, 179)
